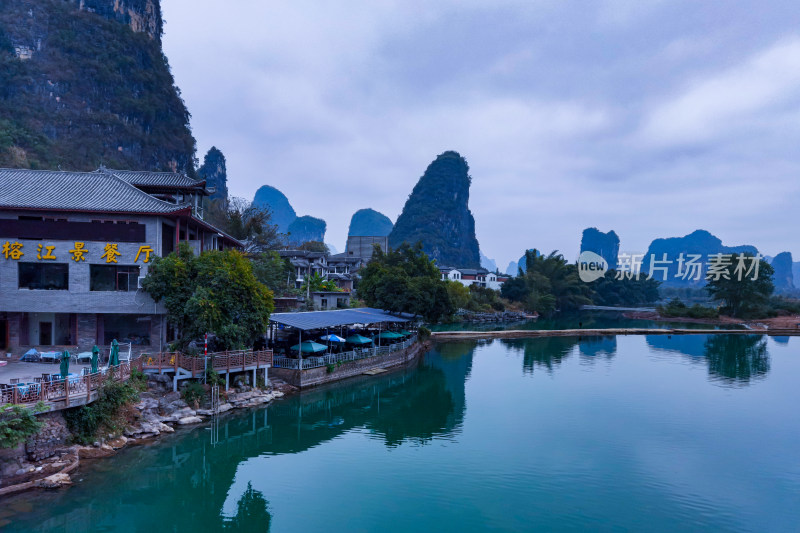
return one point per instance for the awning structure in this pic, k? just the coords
(339, 317)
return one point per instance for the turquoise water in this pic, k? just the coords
(642, 433)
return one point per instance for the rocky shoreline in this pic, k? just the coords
(47, 458)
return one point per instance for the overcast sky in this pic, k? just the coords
(652, 118)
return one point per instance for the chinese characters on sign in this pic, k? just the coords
(111, 253)
(690, 267)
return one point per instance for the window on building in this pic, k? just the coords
(113, 277)
(44, 276)
(127, 328)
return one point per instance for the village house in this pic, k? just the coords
(76, 246)
(479, 277)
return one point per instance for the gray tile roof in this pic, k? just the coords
(76, 191)
(340, 317)
(141, 178)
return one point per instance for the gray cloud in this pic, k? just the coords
(651, 118)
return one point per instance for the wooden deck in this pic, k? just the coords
(183, 366)
(65, 393)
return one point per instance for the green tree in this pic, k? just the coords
(17, 423)
(316, 283)
(459, 294)
(405, 280)
(213, 292)
(273, 271)
(549, 284)
(746, 297)
(314, 246)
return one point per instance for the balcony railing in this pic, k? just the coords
(316, 361)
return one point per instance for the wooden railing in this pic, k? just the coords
(63, 389)
(316, 361)
(228, 361)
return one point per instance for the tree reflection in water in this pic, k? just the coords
(737, 359)
(549, 352)
(252, 513)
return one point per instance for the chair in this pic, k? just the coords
(45, 377)
(13, 381)
(37, 380)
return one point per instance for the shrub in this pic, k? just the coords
(676, 308)
(193, 393)
(424, 333)
(85, 422)
(17, 423)
(138, 380)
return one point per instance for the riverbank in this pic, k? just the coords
(47, 459)
(791, 322)
(602, 332)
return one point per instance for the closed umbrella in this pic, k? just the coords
(358, 339)
(64, 364)
(95, 358)
(309, 347)
(113, 358)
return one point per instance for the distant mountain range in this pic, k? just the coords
(300, 229)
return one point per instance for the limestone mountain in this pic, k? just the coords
(437, 214)
(488, 264)
(513, 268)
(369, 223)
(606, 245)
(85, 83)
(783, 278)
(214, 172)
(307, 228)
(699, 242)
(283, 213)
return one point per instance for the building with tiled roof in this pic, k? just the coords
(75, 246)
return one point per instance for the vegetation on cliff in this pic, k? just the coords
(305, 229)
(214, 171)
(437, 214)
(79, 90)
(369, 223)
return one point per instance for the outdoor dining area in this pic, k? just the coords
(31, 380)
(320, 338)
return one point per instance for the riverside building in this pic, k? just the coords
(75, 247)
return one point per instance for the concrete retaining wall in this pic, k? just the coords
(317, 376)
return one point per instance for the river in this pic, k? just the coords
(640, 433)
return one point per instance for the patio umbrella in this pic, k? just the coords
(332, 338)
(390, 335)
(64, 370)
(95, 358)
(310, 347)
(358, 339)
(405, 333)
(113, 358)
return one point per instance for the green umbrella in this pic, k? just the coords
(113, 358)
(310, 347)
(64, 364)
(405, 333)
(358, 339)
(390, 335)
(95, 358)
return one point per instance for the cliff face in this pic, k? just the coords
(783, 277)
(283, 213)
(437, 214)
(698, 242)
(85, 83)
(143, 16)
(606, 245)
(369, 223)
(214, 172)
